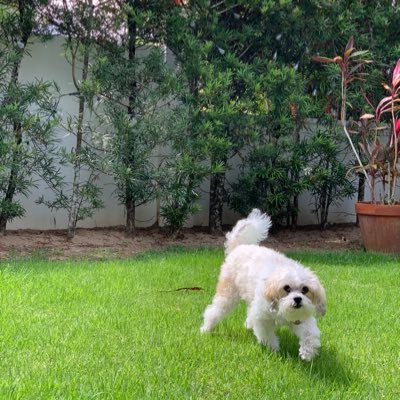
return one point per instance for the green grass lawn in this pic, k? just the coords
(117, 330)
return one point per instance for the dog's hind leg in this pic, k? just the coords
(223, 302)
(248, 323)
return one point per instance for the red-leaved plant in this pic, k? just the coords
(383, 159)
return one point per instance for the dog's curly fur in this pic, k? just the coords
(277, 289)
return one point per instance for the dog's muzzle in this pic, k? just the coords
(297, 302)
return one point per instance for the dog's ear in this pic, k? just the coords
(271, 292)
(319, 298)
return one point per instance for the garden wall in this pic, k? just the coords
(47, 61)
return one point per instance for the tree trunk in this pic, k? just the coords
(324, 214)
(25, 10)
(75, 199)
(294, 212)
(325, 204)
(295, 177)
(130, 203)
(361, 187)
(12, 181)
(360, 192)
(130, 217)
(217, 192)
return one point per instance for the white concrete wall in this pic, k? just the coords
(47, 61)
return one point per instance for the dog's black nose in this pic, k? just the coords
(297, 300)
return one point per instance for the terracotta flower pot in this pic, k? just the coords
(380, 227)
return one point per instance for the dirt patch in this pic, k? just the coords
(113, 242)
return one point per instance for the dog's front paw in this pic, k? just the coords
(274, 346)
(204, 329)
(271, 344)
(248, 324)
(307, 353)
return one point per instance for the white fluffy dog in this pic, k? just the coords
(277, 290)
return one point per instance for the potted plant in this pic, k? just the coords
(378, 152)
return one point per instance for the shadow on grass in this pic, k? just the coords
(326, 367)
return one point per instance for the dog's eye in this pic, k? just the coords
(305, 290)
(286, 288)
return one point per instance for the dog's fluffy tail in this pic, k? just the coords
(251, 230)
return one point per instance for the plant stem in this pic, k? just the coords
(343, 121)
(392, 181)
